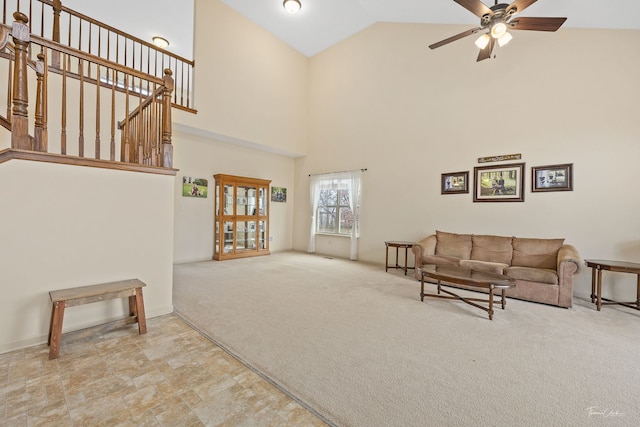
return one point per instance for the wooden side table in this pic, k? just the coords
(597, 266)
(398, 245)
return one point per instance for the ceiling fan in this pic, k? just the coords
(497, 20)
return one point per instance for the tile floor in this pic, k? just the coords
(172, 376)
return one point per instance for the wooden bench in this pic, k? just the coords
(63, 298)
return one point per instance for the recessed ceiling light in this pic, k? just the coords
(160, 42)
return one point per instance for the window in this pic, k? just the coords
(335, 207)
(334, 214)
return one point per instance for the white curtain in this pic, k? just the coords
(314, 191)
(331, 180)
(353, 184)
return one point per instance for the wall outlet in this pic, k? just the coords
(271, 238)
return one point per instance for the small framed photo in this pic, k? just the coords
(194, 187)
(455, 183)
(499, 183)
(278, 194)
(552, 178)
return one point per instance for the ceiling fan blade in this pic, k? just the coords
(475, 6)
(454, 38)
(520, 5)
(486, 52)
(537, 24)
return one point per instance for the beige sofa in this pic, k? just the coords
(543, 269)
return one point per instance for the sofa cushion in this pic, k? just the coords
(491, 267)
(541, 275)
(537, 253)
(492, 248)
(452, 244)
(440, 260)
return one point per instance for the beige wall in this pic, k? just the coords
(248, 84)
(202, 157)
(382, 100)
(67, 226)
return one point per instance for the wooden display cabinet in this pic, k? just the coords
(241, 217)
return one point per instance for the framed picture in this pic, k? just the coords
(278, 194)
(499, 183)
(552, 178)
(455, 183)
(194, 187)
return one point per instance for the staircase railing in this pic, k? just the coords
(90, 82)
(49, 19)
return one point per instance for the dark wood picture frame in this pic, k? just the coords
(552, 178)
(454, 183)
(499, 183)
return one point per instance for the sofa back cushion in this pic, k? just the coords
(452, 244)
(492, 248)
(537, 253)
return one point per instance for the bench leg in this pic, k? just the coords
(139, 307)
(55, 329)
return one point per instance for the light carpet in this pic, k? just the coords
(356, 345)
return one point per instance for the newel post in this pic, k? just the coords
(20, 113)
(167, 148)
(40, 138)
(55, 36)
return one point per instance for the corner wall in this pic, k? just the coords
(66, 226)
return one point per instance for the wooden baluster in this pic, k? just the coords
(112, 154)
(125, 156)
(81, 120)
(57, 8)
(63, 132)
(167, 148)
(10, 88)
(141, 148)
(20, 112)
(97, 149)
(39, 133)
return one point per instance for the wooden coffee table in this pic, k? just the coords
(597, 266)
(445, 275)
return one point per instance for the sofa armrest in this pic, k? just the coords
(569, 254)
(426, 246)
(568, 265)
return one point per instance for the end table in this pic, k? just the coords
(398, 245)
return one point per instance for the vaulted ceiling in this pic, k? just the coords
(322, 23)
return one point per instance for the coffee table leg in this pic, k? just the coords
(422, 287)
(504, 301)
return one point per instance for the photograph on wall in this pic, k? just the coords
(278, 194)
(500, 183)
(455, 183)
(552, 178)
(194, 187)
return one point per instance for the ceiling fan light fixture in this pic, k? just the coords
(504, 39)
(498, 30)
(483, 41)
(292, 6)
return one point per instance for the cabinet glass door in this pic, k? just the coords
(262, 234)
(244, 194)
(228, 237)
(262, 200)
(228, 199)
